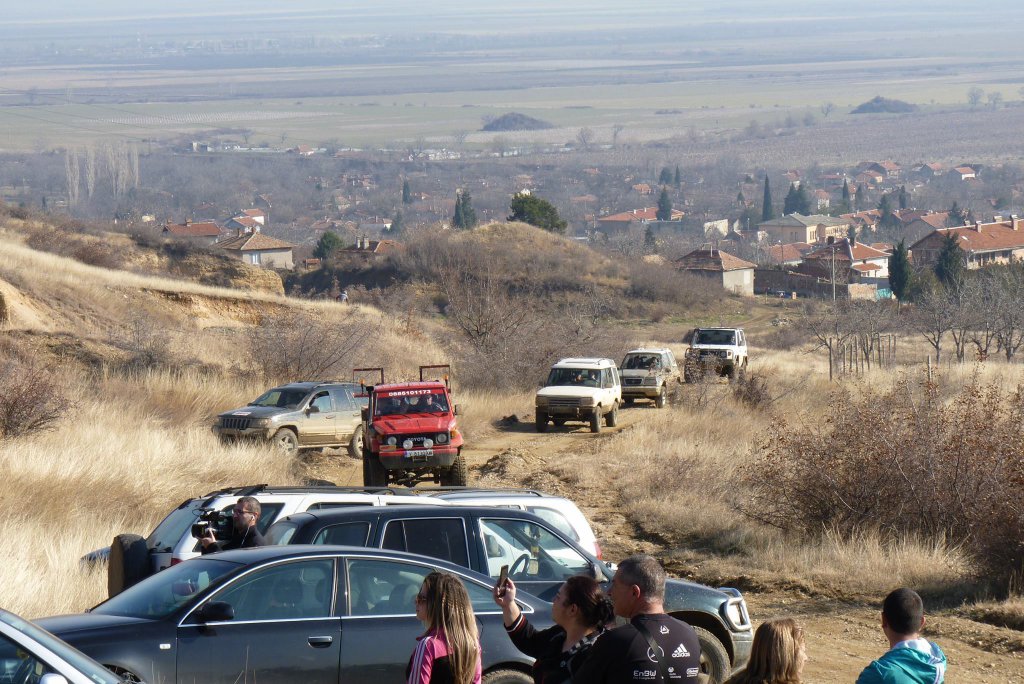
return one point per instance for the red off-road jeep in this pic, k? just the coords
(410, 432)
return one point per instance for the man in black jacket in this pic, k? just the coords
(244, 533)
(653, 647)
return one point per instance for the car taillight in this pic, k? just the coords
(175, 561)
(597, 551)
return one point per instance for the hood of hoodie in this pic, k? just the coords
(916, 661)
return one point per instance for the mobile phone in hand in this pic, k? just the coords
(502, 580)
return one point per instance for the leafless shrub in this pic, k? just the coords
(147, 345)
(5, 315)
(753, 391)
(902, 462)
(31, 399)
(297, 346)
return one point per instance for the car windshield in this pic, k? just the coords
(74, 657)
(574, 376)
(282, 397)
(161, 594)
(641, 362)
(402, 403)
(715, 337)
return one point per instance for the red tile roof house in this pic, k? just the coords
(924, 225)
(202, 232)
(731, 272)
(622, 221)
(965, 173)
(260, 249)
(983, 244)
(247, 224)
(788, 255)
(854, 262)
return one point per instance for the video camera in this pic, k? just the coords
(208, 518)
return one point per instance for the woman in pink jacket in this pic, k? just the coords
(449, 651)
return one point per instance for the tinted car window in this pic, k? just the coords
(346, 534)
(383, 587)
(96, 672)
(288, 591)
(443, 538)
(281, 398)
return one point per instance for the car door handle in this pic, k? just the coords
(330, 416)
(320, 641)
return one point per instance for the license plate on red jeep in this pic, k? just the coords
(419, 454)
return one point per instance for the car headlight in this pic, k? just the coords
(392, 441)
(406, 444)
(441, 438)
(427, 443)
(587, 401)
(542, 401)
(260, 422)
(728, 354)
(651, 381)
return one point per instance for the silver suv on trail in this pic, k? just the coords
(300, 415)
(648, 374)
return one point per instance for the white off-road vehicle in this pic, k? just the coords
(648, 374)
(580, 389)
(722, 351)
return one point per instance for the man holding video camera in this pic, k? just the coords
(244, 533)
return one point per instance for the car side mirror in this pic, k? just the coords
(52, 678)
(455, 410)
(216, 611)
(313, 408)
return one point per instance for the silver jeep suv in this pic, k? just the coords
(300, 415)
(648, 374)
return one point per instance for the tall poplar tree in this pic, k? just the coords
(899, 272)
(664, 206)
(767, 212)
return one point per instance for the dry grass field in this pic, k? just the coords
(137, 442)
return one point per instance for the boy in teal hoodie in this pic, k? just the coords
(910, 659)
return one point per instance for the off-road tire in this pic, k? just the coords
(612, 417)
(287, 441)
(559, 422)
(628, 401)
(542, 421)
(458, 474)
(595, 420)
(127, 564)
(662, 398)
(355, 445)
(714, 659)
(733, 370)
(374, 472)
(507, 677)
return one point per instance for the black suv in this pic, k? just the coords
(539, 557)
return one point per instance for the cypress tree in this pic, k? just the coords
(678, 178)
(899, 272)
(767, 212)
(406, 193)
(664, 206)
(665, 177)
(904, 197)
(949, 269)
(860, 199)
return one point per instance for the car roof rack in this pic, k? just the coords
(475, 490)
(251, 490)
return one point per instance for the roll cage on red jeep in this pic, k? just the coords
(410, 431)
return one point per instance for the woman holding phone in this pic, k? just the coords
(580, 611)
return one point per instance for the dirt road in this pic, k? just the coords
(842, 637)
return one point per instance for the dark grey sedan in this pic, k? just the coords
(283, 615)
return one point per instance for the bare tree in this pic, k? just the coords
(71, 172)
(618, 128)
(830, 327)
(827, 108)
(934, 316)
(995, 99)
(90, 171)
(1009, 321)
(295, 345)
(31, 399)
(585, 137)
(974, 96)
